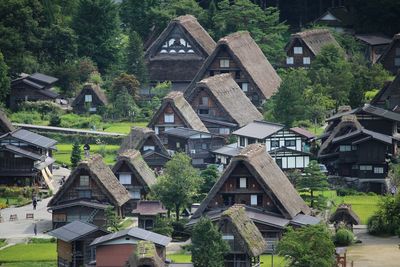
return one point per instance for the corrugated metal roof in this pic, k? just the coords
(23, 152)
(301, 219)
(374, 39)
(33, 138)
(259, 129)
(184, 132)
(73, 231)
(43, 78)
(228, 150)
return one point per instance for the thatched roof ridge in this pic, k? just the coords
(250, 58)
(104, 177)
(137, 137)
(136, 162)
(5, 123)
(315, 39)
(231, 97)
(95, 89)
(344, 213)
(269, 175)
(396, 37)
(145, 255)
(182, 109)
(245, 231)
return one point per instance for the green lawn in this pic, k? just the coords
(265, 259)
(30, 264)
(44, 252)
(63, 153)
(3, 242)
(123, 127)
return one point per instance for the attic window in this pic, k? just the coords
(306, 61)
(242, 182)
(190, 51)
(228, 237)
(163, 51)
(224, 63)
(298, 50)
(289, 61)
(125, 178)
(245, 87)
(88, 98)
(169, 118)
(84, 180)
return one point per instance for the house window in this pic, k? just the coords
(228, 237)
(85, 194)
(204, 101)
(224, 63)
(135, 194)
(306, 61)
(344, 148)
(397, 61)
(274, 143)
(289, 143)
(84, 180)
(193, 151)
(378, 169)
(365, 168)
(253, 200)
(125, 178)
(204, 146)
(298, 50)
(178, 145)
(168, 118)
(145, 148)
(289, 61)
(245, 87)
(223, 130)
(204, 111)
(242, 182)
(88, 98)
(93, 109)
(242, 142)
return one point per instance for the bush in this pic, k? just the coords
(76, 121)
(344, 237)
(26, 117)
(376, 226)
(348, 192)
(34, 240)
(303, 124)
(163, 226)
(42, 107)
(55, 120)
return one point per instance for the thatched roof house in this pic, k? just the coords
(89, 99)
(175, 111)
(145, 255)
(304, 46)
(389, 96)
(245, 232)
(344, 214)
(178, 53)
(226, 104)
(5, 123)
(339, 18)
(390, 59)
(239, 55)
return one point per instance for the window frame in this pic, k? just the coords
(224, 63)
(169, 118)
(289, 60)
(306, 60)
(85, 178)
(125, 177)
(298, 50)
(291, 140)
(242, 183)
(88, 98)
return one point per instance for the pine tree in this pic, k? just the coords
(135, 58)
(4, 79)
(75, 154)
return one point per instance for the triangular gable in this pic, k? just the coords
(388, 50)
(93, 90)
(138, 137)
(271, 178)
(5, 123)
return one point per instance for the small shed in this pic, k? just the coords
(89, 99)
(147, 212)
(344, 215)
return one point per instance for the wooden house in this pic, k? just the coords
(90, 99)
(147, 212)
(135, 175)
(145, 256)
(222, 105)
(245, 241)
(362, 155)
(239, 55)
(88, 191)
(338, 18)
(73, 240)
(389, 96)
(374, 45)
(179, 52)
(344, 216)
(390, 59)
(304, 46)
(115, 249)
(25, 157)
(196, 144)
(174, 112)
(147, 142)
(35, 87)
(254, 180)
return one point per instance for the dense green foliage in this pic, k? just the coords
(309, 246)
(135, 58)
(207, 246)
(386, 221)
(344, 237)
(209, 175)
(112, 220)
(75, 154)
(4, 79)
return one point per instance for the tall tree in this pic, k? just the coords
(4, 80)
(264, 25)
(96, 24)
(75, 154)
(59, 44)
(309, 246)
(179, 183)
(208, 247)
(135, 58)
(210, 176)
(127, 82)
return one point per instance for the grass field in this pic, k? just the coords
(265, 259)
(123, 127)
(14, 201)
(63, 153)
(43, 254)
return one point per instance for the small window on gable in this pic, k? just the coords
(253, 200)
(204, 111)
(298, 50)
(169, 118)
(242, 182)
(224, 63)
(245, 87)
(125, 178)
(204, 100)
(146, 148)
(182, 42)
(178, 145)
(306, 61)
(289, 61)
(84, 180)
(172, 51)
(163, 51)
(224, 131)
(181, 51)
(378, 169)
(190, 51)
(88, 98)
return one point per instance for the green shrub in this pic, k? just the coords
(55, 120)
(376, 225)
(371, 194)
(35, 240)
(344, 237)
(44, 108)
(27, 117)
(76, 121)
(348, 192)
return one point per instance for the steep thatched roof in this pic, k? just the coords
(268, 174)
(137, 137)
(387, 54)
(313, 39)
(145, 255)
(5, 123)
(232, 99)
(92, 89)
(344, 213)
(244, 230)
(102, 175)
(389, 96)
(182, 109)
(247, 55)
(136, 163)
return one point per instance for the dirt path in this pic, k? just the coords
(374, 251)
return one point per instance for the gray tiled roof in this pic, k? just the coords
(259, 129)
(73, 231)
(33, 138)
